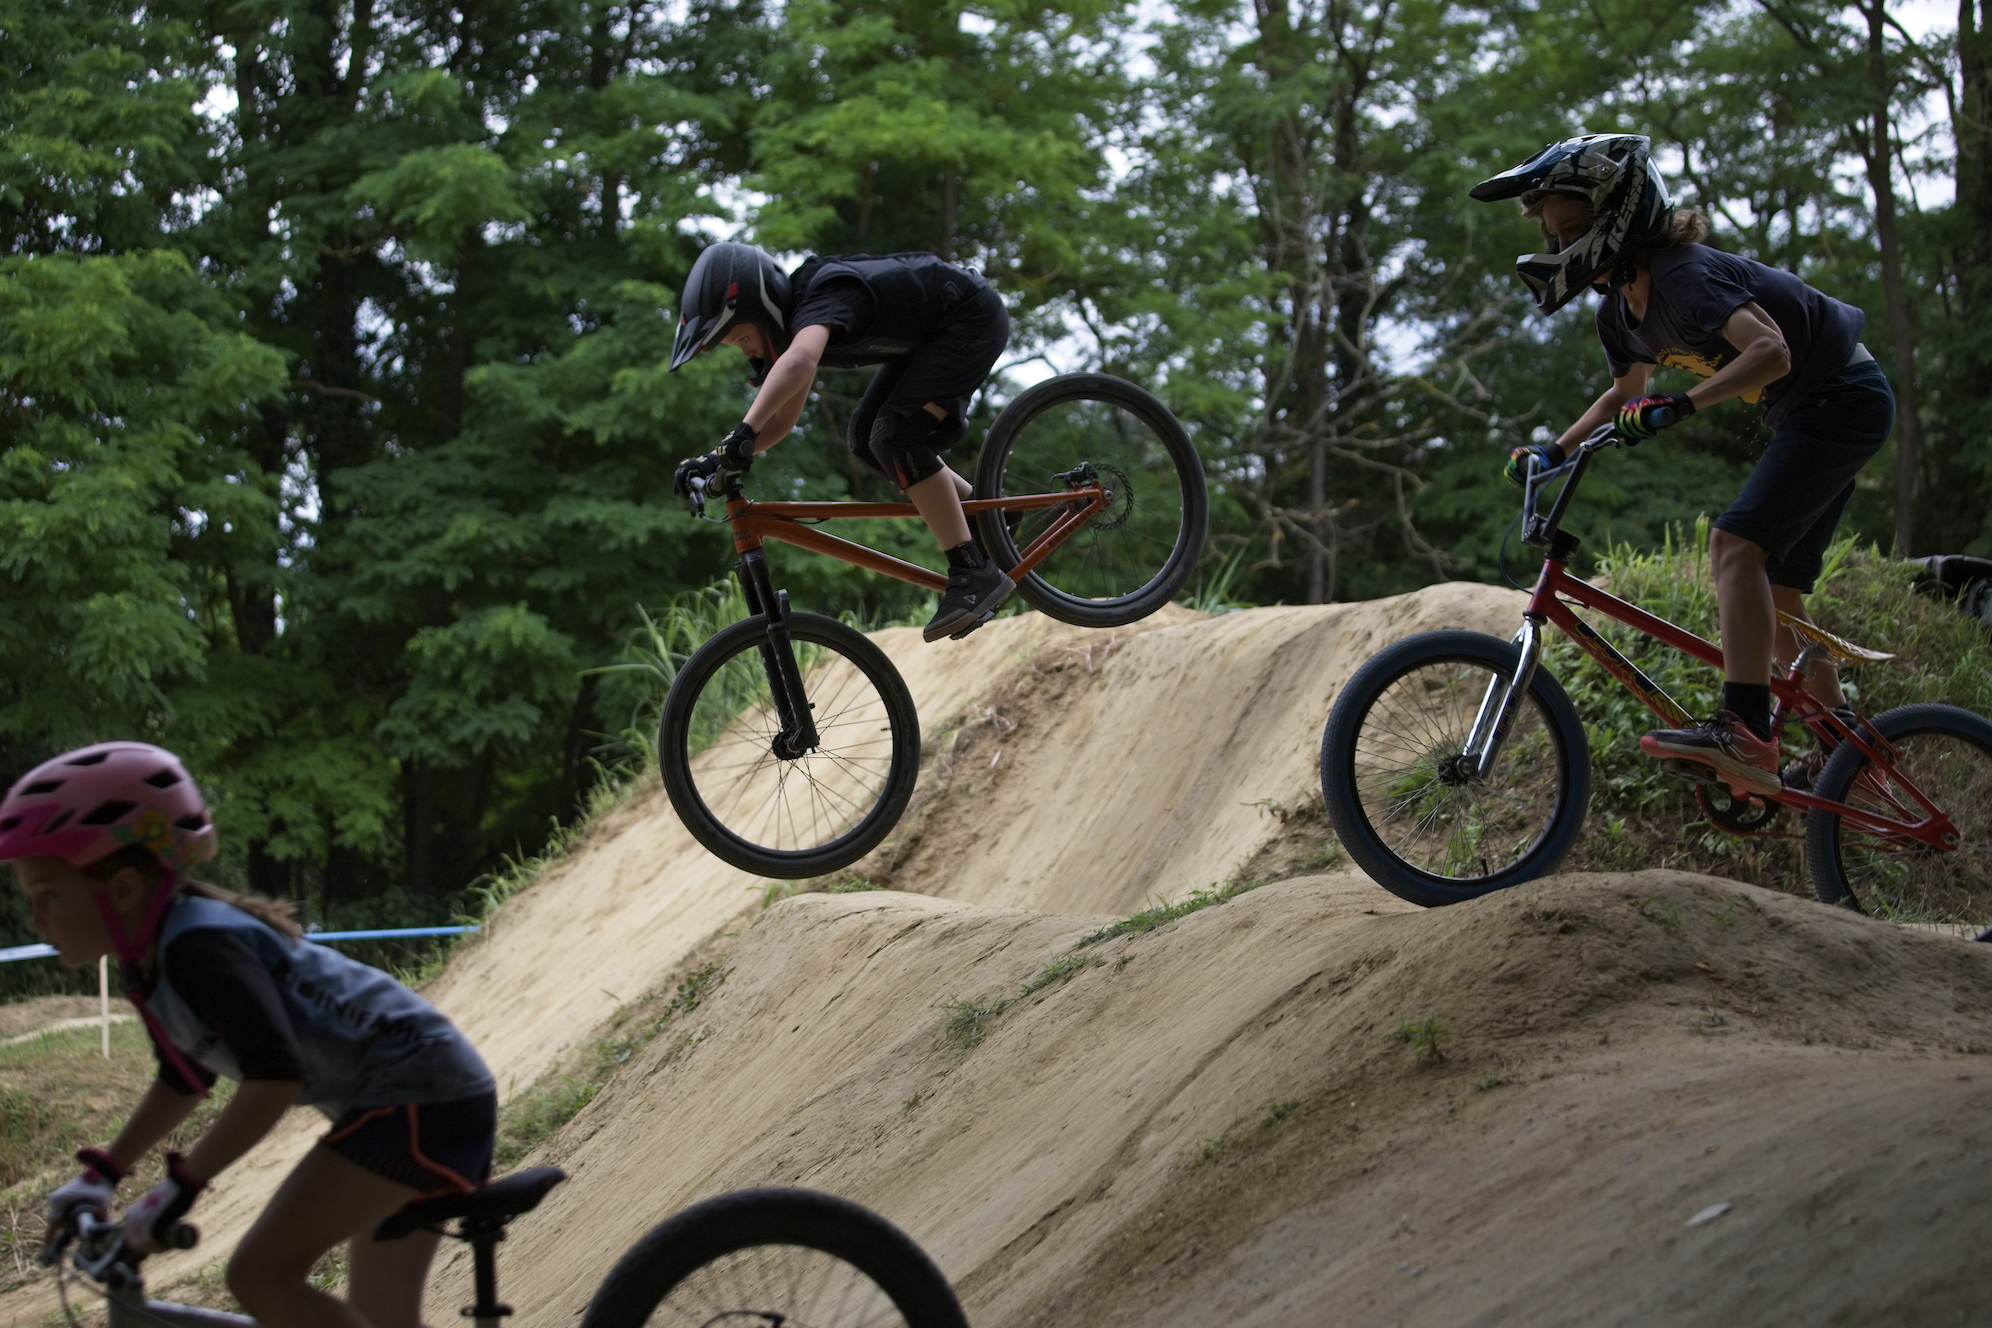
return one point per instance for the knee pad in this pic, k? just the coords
(905, 455)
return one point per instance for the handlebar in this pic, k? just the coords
(101, 1252)
(1540, 530)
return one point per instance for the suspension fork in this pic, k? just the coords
(1502, 704)
(792, 706)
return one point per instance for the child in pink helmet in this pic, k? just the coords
(101, 840)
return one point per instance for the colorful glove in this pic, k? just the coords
(1548, 455)
(737, 448)
(1642, 417)
(149, 1223)
(701, 467)
(90, 1192)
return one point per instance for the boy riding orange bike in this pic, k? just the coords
(1746, 330)
(102, 840)
(933, 330)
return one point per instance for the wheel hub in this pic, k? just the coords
(1456, 771)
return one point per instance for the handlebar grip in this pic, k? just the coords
(1665, 417)
(184, 1236)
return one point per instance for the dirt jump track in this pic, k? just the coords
(1654, 1098)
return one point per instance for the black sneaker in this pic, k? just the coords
(971, 600)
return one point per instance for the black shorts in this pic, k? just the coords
(1792, 501)
(431, 1147)
(892, 431)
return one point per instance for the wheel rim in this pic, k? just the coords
(1130, 545)
(776, 1286)
(812, 801)
(1416, 796)
(1915, 882)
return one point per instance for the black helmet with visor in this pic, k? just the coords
(1614, 176)
(733, 283)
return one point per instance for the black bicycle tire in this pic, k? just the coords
(1344, 801)
(672, 1251)
(1823, 841)
(674, 762)
(1034, 589)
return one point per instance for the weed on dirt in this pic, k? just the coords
(536, 1114)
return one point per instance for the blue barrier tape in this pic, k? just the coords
(45, 951)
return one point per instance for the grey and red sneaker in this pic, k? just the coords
(1740, 757)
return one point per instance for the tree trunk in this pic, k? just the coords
(949, 184)
(421, 829)
(1879, 153)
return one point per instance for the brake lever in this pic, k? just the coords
(697, 495)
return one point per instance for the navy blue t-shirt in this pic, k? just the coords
(1694, 290)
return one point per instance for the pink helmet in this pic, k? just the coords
(96, 800)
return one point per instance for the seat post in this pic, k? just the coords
(483, 1237)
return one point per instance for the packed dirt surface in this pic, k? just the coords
(1219, 1121)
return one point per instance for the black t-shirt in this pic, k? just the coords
(224, 983)
(1693, 292)
(877, 308)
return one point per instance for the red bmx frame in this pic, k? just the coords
(1924, 823)
(753, 523)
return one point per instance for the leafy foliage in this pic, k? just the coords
(335, 423)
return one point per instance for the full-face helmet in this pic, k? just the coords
(1614, 175)
(733, 283)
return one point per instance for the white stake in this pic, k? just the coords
(104, 999)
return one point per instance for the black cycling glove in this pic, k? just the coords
(701, 467)
(737, 449)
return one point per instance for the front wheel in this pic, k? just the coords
(764, 1258)
(1946, 753)
(1401, 796)
(736, 782)
(1083, 429)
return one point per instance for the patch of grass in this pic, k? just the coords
(968, 1022)
(537, 1114)
(1426, 1039)
(1664, 912)
(853, 885)
(1490, 1081)
(1151, 918)
(1061, 968)
(58, 1093)
(1277, 1112)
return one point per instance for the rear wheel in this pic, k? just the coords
(1075, 431)
(769, 1258)
(1946, 752)
(769, 811)
(1400, 794)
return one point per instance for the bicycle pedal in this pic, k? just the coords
(956, 636)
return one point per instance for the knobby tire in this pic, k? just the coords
(745, 1258)
(800, 817)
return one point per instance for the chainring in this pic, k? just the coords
(1739, 816)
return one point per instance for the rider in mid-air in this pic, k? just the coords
(1746, 330)
(933, 329)
(102, 841)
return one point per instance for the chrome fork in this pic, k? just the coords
(1502, 704)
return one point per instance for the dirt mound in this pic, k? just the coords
(1646, 1098)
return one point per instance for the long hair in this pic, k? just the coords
(1684, 225)
(279, 914)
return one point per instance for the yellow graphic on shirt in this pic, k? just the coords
(1698, 365)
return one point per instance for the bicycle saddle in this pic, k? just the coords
(517, 1193)
(1842, 652)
